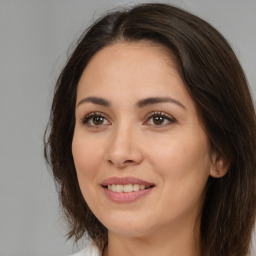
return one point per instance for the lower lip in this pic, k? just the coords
(126, 197)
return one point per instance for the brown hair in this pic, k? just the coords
(216, 83)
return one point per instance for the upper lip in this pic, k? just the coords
(125, 181)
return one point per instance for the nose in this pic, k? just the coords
(124, 148)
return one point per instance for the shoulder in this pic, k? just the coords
(89, 250)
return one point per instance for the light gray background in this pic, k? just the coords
(34, 38)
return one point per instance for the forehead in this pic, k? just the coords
(130, 50)
(129, 62)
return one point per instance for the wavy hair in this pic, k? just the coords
(217, 84)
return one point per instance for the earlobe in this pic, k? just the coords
(219, 167)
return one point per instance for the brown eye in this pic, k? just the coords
(98, 120)
(158, 120)
(94, 120)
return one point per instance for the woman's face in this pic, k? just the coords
(137, 130)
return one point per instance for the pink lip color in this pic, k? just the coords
(125, 197)
(124, 181)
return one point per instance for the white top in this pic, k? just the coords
(90, 250)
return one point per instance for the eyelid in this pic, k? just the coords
(163, 114)
(87, 117)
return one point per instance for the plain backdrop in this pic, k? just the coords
(34, 38)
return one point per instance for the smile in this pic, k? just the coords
(126, 189)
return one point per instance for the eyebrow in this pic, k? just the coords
(155, 100)
(95, 100)
(140, 104)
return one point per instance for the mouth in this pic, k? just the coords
(126, 189)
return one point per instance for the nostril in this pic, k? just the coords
(128, 161)
(121, 164)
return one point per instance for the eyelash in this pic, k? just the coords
(87, 118)
(170, 119)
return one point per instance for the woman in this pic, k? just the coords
(152, 138)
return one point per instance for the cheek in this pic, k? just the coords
(183, 164)
(86, 157)
(180, 152)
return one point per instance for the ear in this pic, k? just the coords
(219, 166)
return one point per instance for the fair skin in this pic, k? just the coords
(161, 142)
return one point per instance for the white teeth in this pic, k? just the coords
(136, 187)
(126, 188)
(119, 188)
(114, 188)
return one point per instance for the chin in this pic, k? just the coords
(129, 226)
